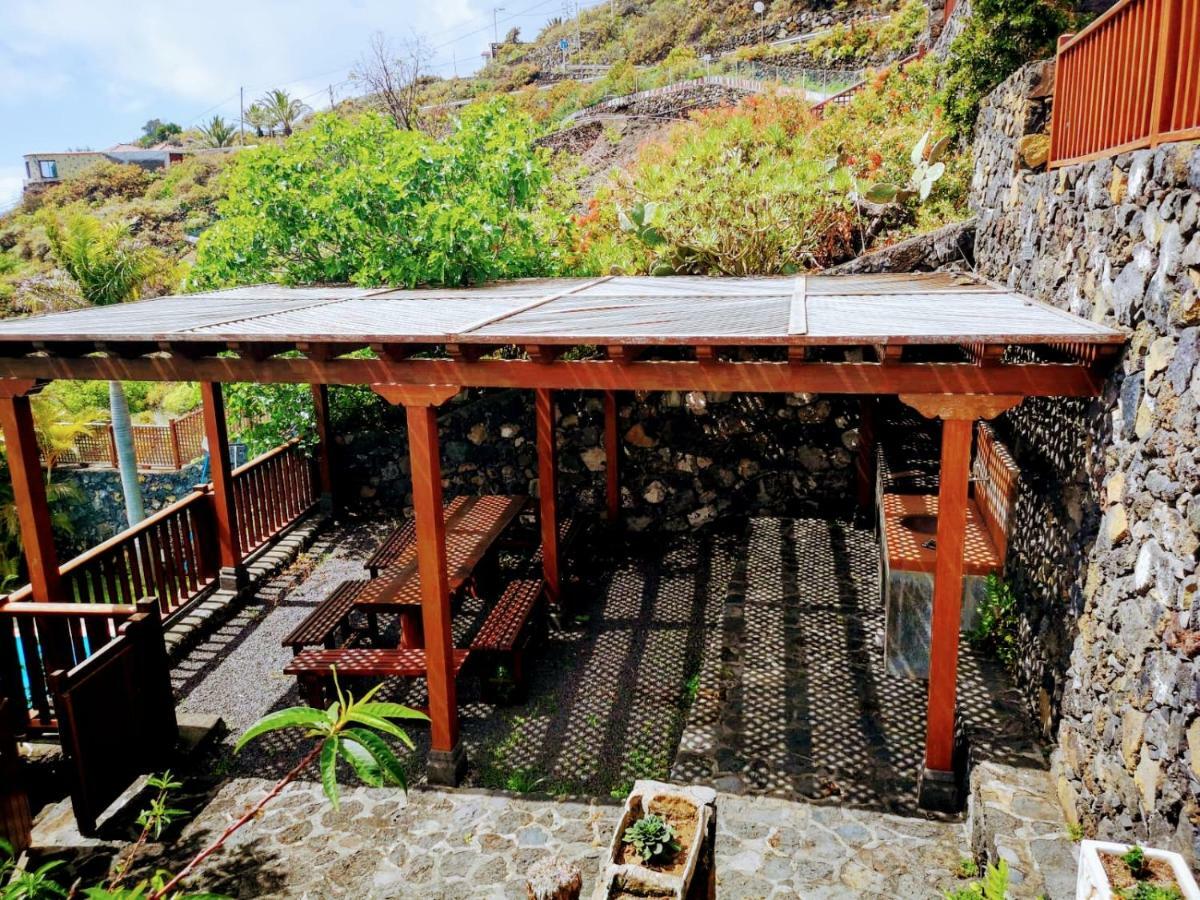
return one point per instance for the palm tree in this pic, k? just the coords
(60, 429)
(109, 268)
(59, 496)
(282, 109)
(217, 133)
(259, 119)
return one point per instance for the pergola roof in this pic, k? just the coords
(801, 311)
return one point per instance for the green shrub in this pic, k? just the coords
(1000, 37)
(360, 201)
(998, 621)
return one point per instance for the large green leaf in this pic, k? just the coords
(392, 711)
(391, 767)
(362, 718)
(363, 763)
(329, 755)
(881, 193)
(292, 717)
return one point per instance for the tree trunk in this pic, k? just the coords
(126, 458)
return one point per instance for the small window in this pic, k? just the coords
(29, 169)
(49, 168)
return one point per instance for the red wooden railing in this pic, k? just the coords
(170, 446)
(844, 97)
(271, 492)
(171, 556)
(1127, 81)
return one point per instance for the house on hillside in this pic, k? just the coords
(45, 169)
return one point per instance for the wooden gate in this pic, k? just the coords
(15, 822)
(116, 715)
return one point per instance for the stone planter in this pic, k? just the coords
(1092, 882)
(693, 808)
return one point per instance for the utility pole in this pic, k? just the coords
(242, 114)
(331, 96)
(578, 16)
(496, 10)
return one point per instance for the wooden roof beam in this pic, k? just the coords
(1036, 379)
(983, 354)
(257, 350)
(624, 352)
(468, 352)
(399, 352)
(191, 349)
(545, 353)
(325, 350)
(889, 354)
(127, 349)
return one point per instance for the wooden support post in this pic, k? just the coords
(16, 824)
(547, 451)
(320, 395)
(947, 607)
(864, 468)
(229, 544)
(447, 761)
(938, 787)
(33, 516)
(612, 450)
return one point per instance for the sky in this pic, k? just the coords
(80, 74)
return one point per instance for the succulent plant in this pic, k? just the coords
(652, 837)
(641, 220)
(927, 169)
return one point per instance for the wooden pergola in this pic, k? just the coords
(950, 346)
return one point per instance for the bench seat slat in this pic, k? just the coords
(323, 620)
(407, 663)
(505, 622)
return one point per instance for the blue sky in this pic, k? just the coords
(80, 74)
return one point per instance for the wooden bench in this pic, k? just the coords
(320, 626)
(394, 545)
(312, 668)
(568, 533)
(508, 629)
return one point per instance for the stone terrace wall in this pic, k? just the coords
(1106, 550)
(101, 514)
(686, 458)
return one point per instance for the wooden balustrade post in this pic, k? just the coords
(612, 451)
(176, 452)
(1163, 104)
(320, 395)
(447, 758)
(16, 824)
(939, 783)
(547, 452)
(229, 546)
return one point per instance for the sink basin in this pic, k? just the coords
(920, 524)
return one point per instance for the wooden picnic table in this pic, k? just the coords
(473, 526)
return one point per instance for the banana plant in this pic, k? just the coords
(927, 169)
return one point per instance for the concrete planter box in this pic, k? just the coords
(632, 879)
(1092, 881)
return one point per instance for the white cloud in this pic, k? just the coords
(201, 52)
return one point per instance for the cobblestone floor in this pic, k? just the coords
(453, 845)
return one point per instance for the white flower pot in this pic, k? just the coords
(1092, 882)
(618, 877)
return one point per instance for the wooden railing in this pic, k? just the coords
(1127, 81)
(841, 98)
(171, 556)
(170, 446)
(271, 492)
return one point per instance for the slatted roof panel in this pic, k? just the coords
(924, 308)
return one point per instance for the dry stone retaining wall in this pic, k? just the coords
(1105, 554)
(687, 458)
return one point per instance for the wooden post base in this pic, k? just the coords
(939, 791)
(233, 579)
(447, 767)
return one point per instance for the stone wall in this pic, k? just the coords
(686, 458)
(1105, 554)
(100, 513)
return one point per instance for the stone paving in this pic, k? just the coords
(444, 845)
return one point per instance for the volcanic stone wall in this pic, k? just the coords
(686, 459)
(1104, 556)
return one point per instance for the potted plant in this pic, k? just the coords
(1132, 872)
(663, 838)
